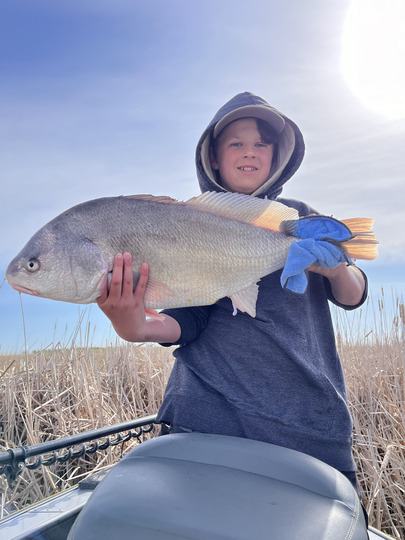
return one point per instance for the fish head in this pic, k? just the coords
(59, 265)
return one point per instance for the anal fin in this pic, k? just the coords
(245, 300)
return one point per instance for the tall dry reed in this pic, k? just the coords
(59, 392)
(65, 390)
(371, 345)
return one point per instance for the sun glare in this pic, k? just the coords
(373, 54)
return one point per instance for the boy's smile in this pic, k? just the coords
(243, 159)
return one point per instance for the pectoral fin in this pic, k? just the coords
(153, 314)
(157, 292)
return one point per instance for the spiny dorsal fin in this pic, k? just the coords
(154, 198)
(263, 213)
(245, 208)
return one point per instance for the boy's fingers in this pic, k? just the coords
(143, 280)
(116, 276)
(127, 275)
(103, 296)
(122, 280)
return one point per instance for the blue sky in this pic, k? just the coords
(105, 97)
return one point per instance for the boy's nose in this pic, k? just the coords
(250, 151)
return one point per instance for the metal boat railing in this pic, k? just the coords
(14, 460)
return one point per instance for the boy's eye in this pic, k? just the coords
(240, 144)
(264, 144)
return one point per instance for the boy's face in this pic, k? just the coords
(243, 159)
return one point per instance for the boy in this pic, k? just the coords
(276, 377)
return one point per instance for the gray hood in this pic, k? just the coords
(290, 147)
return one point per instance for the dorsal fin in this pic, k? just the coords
(245, 208)
(263, 213)
(154, 198)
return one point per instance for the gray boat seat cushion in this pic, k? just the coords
(199, 486)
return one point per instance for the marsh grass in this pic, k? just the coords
(371, 345)
(67, 389)
(61, 391)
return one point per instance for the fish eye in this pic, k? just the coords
(32, 265)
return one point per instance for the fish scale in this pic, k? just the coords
(223, 263)
(198, 251)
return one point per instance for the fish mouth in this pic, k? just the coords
(24, 290)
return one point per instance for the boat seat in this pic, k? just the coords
(200, 486)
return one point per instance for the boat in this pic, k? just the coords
(191, 486)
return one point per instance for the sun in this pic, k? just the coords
(373, 54)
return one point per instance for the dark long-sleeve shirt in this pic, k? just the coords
(275, 378)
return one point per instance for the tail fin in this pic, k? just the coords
(364, 244)
(326, 242)
(354, 236)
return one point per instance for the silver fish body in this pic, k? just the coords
(212, 246)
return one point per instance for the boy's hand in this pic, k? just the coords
(347, 282)
(327, 272)
(124, 307)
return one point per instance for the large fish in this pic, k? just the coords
(212, 246)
